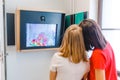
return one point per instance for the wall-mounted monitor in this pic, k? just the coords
(38, 29)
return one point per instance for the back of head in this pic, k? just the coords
(72, 45)
(93, 36)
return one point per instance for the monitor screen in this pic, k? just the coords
(39, 29)
(40, 35)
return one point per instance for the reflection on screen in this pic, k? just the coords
(40, 35)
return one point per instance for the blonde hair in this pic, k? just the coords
(72, 45)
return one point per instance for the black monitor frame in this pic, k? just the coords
(38, 17)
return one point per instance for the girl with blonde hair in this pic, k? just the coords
(70, 62)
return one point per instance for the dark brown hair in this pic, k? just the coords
(93, 36)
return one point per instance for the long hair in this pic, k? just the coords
(93, 36)
(72, 45)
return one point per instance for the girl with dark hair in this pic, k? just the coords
(102, 60)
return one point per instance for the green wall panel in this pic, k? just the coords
(75, 18)
(68, 21)
(79, 17)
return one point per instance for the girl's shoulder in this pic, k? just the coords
(58, 55)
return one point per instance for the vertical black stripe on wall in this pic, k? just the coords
(10, 29)
(72, 17)
(85, 15)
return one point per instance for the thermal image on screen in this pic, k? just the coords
(40, 35)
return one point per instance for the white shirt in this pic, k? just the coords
(67, 70)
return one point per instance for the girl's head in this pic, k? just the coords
(72, 45)
(93, 36)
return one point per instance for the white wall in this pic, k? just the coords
(76, 6)
(1, 26)
(93, 9)
(87, 5)
(35, 65)
(1, 23)
(31, 65)
(111, 14)
(12, 5)
(2, 76)
(28, 65)
(81, 5)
